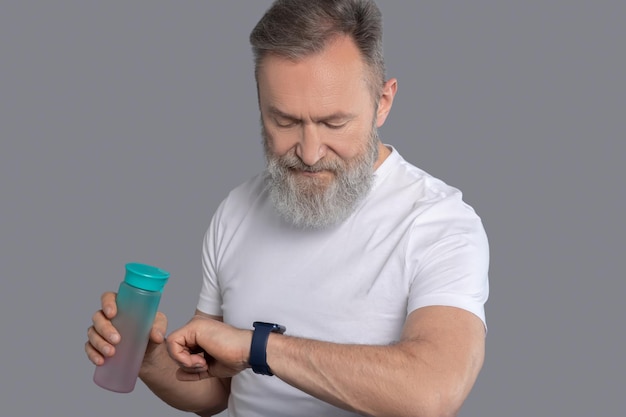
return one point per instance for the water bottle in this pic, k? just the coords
(137, 303)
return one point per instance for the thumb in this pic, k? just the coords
(159, 329)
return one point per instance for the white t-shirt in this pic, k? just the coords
(412, 242)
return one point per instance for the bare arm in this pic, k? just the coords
(204, 397)
(162, 375)
(429, 372)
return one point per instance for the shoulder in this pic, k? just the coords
(402, 184)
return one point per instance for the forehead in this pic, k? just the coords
(334, 77)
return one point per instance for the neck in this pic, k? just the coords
(383, 153)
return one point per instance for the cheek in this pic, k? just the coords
(344, 150)
(349, 143)
(280, 143)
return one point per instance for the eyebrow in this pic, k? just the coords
(275, 111)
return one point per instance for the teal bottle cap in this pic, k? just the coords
(146, 277)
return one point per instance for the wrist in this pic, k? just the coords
(155, 359)
(272, 349)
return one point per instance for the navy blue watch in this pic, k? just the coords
(258, 354)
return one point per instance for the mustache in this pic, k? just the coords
(292, 161)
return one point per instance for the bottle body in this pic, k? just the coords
(136, 310)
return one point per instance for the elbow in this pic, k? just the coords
(207, 412)
(434, 403)
(434, 409)
(442, 408)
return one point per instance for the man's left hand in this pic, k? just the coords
(207, 348)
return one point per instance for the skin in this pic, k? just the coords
(429, 372)
(158, 371)
(321, 107)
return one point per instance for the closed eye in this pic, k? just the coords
(285, 124)
(335, 126)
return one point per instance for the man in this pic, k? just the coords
(377, 270)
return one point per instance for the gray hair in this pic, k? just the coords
(297, 28)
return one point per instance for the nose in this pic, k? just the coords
(310, 148)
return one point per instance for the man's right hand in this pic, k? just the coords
(102, 337)
(158, 371)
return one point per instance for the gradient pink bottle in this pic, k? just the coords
(137, 303)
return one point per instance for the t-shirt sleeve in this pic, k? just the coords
(449, 252)
(210, 298)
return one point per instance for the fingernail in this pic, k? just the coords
(114, 338)
(107, 351)
(108, 311)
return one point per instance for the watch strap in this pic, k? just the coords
(258, 347)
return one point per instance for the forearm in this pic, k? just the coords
(373, 380)
(206, 397)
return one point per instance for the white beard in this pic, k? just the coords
(309, 203)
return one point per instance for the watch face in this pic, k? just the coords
(274, 328)
(279, 329)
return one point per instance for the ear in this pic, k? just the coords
(386, 101)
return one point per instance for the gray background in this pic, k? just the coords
(123, 125)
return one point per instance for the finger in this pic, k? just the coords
(159, 328)
(93, 355)
(187, 360)
(104, 328)
(97, 346)
(182, 350)
(109, 307)
(177, 350)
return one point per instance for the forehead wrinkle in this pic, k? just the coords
(338, 115)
